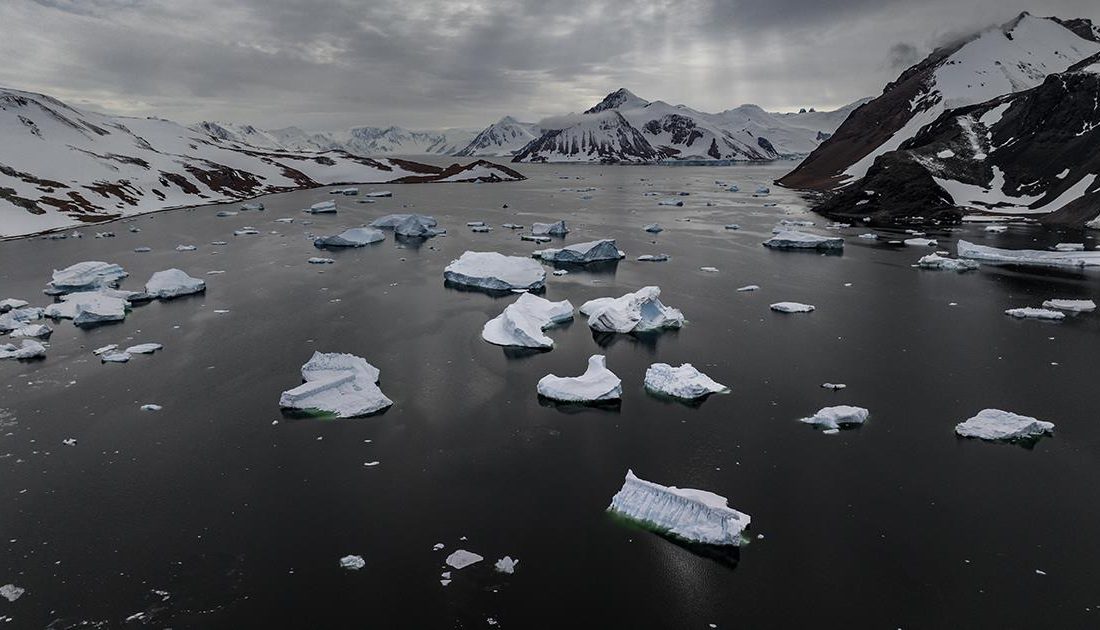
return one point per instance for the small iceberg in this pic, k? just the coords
(322, 207)
(684, 382)
(549, 229)
(355, 237)
(670, 202)
(352, 563)
(8, 304)
(144, 348)
(942, 263)
(921, 242)
(87, 308)
(32, 331)
(495, 272)
(11, 593)
(506, 565)
(654, 228)
(252, 206)
(692, 515)
(1069, 247)
(28, 349)
(653, 258)
(792, 307)
(85, 276)
(378, 194)
(597, 384)
(522, 322)
(460, 559)
(337, 383)
(1036, 313)
(748, 287)
(793, 239)
(1073, 306)
(582, 253)
(1027, 257)
(115, 357)
(641, 311)
(317, 260)
(832, 418)
(417, 226)
(997, 425)
(172, 283)
(19, 317)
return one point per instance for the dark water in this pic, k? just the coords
(242, 522)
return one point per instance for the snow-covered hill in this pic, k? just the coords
(1014, 57)
(362, 141)
(61, 166)
(626, 128)
(502, 138)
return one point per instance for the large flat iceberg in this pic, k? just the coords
(582, 253)
(85, 276)
(337, 383)
(557, 228)
(1028, 257)
(683, 382)
(641, 311)
(522, 322)
(495, 272)
(597, 384)
(994, 424)
(793, 239)
(355, 237)
(87, 308)
(172, 283)
(693, 515)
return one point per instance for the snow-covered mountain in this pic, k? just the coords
(362, 141)
(1014, 57)
(502, 138)
(626, 128)
(61, 166)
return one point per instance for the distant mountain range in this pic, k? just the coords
(363, 141)
(1004, 122)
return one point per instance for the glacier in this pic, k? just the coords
(522, 322)
(338, 383)
(597, 384)
(692, 515)
(495, 272)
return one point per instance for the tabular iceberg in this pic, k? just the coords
(522, 322)
(684, 382)
(641, 311)
(29, 349)
(1075, 306)
(85, 276)
(1035, 313)
(597, 384)
(994, 424)
(792, 307)
(549, 229)
(337, 383)
(582, 253)
(172, 283)
(693, 515)
(495, 272)
(793, 239)
(355, 237)
(942, 263)
(1029, 257)
(34, 331)
(322, 207)
(88, 308)
(833, 418)
(460, 559)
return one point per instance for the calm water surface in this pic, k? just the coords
(218, 512)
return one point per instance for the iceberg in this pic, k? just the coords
(692, 515)
(582, 253)
(994, 424)
(549, 229)
(417, 226)
(597, 384)
(1069, 247)
(172, 283)
(461, 559)
(793, 239)
(85, 276)
(17, 318)
(748, 287)
(522, 322)
(11, 592)
(394, 220)
(942, 263)
(322, 207)
(355, 237)
(29, 349)
(1075, 306)
(495, 272)
(641, 311)
(87, 308)
(792, 307)
(670, 202)
(115, 357)
(378, 194)
(684, 382)
(337, 383)
(654, 228)
(1094, 224)
(352, 563)
(11, 303)
(317, 260)
(653, 258)
(1028, 257)
(32, 331)
(921, 242)
(245, 207)
(832, 418)
(144, 348)
(1036, 313)
(506, 565)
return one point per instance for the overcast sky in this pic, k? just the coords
(332, 64)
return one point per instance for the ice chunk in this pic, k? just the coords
(252, 206)
(793, 239)
(732, 226)
(870, 236)
(185, 248)
(522, 322)
(549, 229)
(749, 287)
(670, 202)
(105, 349)
(582, 253)
(151, 407)
(11, 303)
(394, 220)
(994, 424)
(355, 237)
(11, 592)
(322, 207)
(1076, 306)
(596, 384)
(85, 276)
(921, 242)
(29, 349)
(654, 228)
(247, 231)
(1069, 247)
(172, 283)
(342, 384)
(834, 386)
(378, 194)
(937, 262)
(653, 257)
(792, 307)
(461, 559)
(88, 308)
(709, 269)
(506, 565)
(36, 331)
(763, 190)
(534, 239)
(352, 563)
(417, 226)
(316, 260)
(115, 357)
(835, 417)
(684, 382)
(1035, 313)
(1029, 257)
(144, 348)
(996, 229)
(1093, 224)
(693, 515)
(641, 311)
(19, 317)
(495, 272)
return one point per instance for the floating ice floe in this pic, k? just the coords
(481, 229)
(352, 563)
(832, 418)
(144, 348)
(105, 349)
(582, 253)
(597, 384)
(417, 226)
(246, 231)
(378, 194)
(19, 317)
(115, 357)
(317, 260)
(996, 229)
(337, 383)
(506, 565)
(460, 559)
(87, 308)
(732, 226)
(512, 226)
(748, 287)
(495, 272)
(670, 202)
(223, 214)
(85, 276)
(1069, 247)
(172, 283)
(11, 592)
(709, 269)
(921, 242)
(522, 322)
(560, 272)
(32, 331)
(653, 258)
(252, 206)
(684, 382)
(942, 263)
(654, 228)
(355, 237)
(994, 424)
(792, 307)
(322, 207)
(870, 236)
(393, 220)
(534, 239)
(185, 248)
(1028, 257)
(693, 515)
(151, 407)
(834, 386)
(793, 239)
(1035, 313)
(641, 311)
(142, 250)
(11, 303)
(557, 228)
(1075, 306)
(28, 349)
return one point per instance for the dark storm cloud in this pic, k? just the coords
(337, 63)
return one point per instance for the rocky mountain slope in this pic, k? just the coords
(502, 138)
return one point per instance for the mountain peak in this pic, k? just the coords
(621, 98)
